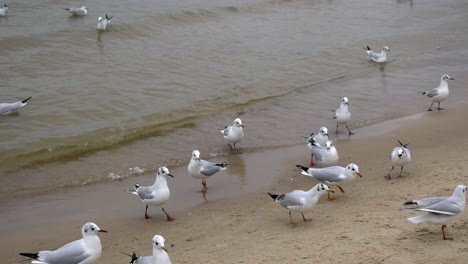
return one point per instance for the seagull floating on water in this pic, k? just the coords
(440, 93)
(83, 251)
(103, 24)
(202, 169)
(400, 156)
(159, 256)
(233, 134)
(342, 115)
(439, 210)
(4, 10)
(77, 11)
(8, 108)
(378, 57)
(300, 201)
(157, 194)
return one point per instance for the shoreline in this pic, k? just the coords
(364, 225)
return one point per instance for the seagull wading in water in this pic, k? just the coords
(440, 93)
(400, 156)
(103, 24)
(233, 134)
(84, 251)
(439, 210)
(8, 108)
(81, 11)
(334, 175)
(378, 57)
(300, 201)
(202, 169)
(4, 10)
(160, 255)
(342, 115)
(157, 194)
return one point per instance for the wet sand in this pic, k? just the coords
(364, 225)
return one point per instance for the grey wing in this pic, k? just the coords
(336, 114)
(429, 201)
(145, 193)
(226, 130)
(71, 253)
(318, 153)
(329, 174)
(144, 260)
(445, 206)
(291, 199)
(207, 168)
(432, 93)
(9, 108)
(374, 55)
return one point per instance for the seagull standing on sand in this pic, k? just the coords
(159, 256)
(321, 137)
(4, 10)
(233, 134)
(103, 24)
(81, 11)
(334, 175)
(378, 57)
(342, 115)
(84, 251)
(157, 194)
(8, 108)
(440, 93)
(202, 169)
(439, 210)
(400, 156)
(324, 155)
(300, 201)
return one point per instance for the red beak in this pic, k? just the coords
(359, 174)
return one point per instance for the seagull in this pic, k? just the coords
(4, 10)
(342, 115)
(440, 93)
(333, 175)
(159, 256)
(233, 134)
(103, 24)
(378, 57)
(300, 201)
(83, 251)
(321, 138)
(439, 210)
(202, 169)
(77, 11)
(324, 155)
(7, 108)
(400, 156)
(157, 194)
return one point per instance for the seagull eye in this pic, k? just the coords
(156, 243)
(92, 228)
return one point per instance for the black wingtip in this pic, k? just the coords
(134, 258)
(27, 99)
(274, 196)
(30, 255)
(222, 165)
(401, 144)
(302, 168)
(368, 48)
(410, 203)
(108, 18)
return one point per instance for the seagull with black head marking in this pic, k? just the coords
(300, 201)
(160, 255)
(83, 251)
(8, 108)
(103, 24)
(320, 138)
(400, 156)
(439, 210)
(343, 115)
(203, 169)
(233, 134)
(439, 94)
(378, 57)
(324, 155)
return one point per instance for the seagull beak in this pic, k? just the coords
(327, 135)
(198, 159)
(170, 175)
(451, 78)
(359, 174)
(164, 249)
(242, 126)
(331, 191)
(102, 231)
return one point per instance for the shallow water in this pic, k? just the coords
(167, 75)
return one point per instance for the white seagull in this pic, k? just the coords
(342, 115)
(157, 194)
(400, 156)
(334, 175)
(321, 137)
(378, 57)
(202, 169)
(300, 201)
(439, 210)
(4, 10)
(84, 251)
(324, 155)
(8, 108)
(103, 24)
(440, 93)
(159, 256)
(75, 11)
(233, 134)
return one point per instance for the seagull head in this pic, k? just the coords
(345, 101)
(354, 169)
(446, 77)
(328, 144)
(163, 171)
(322, 188)
(5, 5)
(196, 155)
(238, 122)
(385, 48)
(324, 131)
(90, 229)
(99, 19)
(400, 152)
(158, 242)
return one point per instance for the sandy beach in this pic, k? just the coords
(364, 225)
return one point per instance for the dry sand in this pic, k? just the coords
(364, 225)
